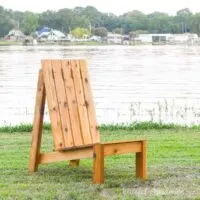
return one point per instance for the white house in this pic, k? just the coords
(184, 38)
(15, 35)
(50, 34)
(149, 38)
(113, 38)
(56, 35)
(96, 38)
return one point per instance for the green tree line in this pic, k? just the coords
(98, 23)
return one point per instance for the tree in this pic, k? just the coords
(6, 23)
(93, 16)
(110, 21)
(99, 23)
(65, 18)
(195, 23)
(48, 18)
(159, 23)
(100, 31)
(80, 32)
(134, 34)
(183, 18)
(118, 31)
(133, 21)
(30, 23)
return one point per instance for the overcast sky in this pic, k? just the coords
(115, 6)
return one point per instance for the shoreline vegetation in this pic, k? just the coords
(87, 43)
(9, 43)
(110, 127)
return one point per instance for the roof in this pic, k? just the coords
(47, 31)
(44, 30)
(114, 34)
(16, 33)
(58, 33)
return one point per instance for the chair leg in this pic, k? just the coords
(37, 125)
(98, 164)
(74, 163)
(141, 167)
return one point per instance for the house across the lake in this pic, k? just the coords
(150, 38)
(15, 35)
(47, 34)
(186, 38)
(43, 32)
(96, 38)
(113, 38)
(189, 38)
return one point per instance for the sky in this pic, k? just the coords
(114, 6)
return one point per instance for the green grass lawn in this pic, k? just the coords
(173, 169)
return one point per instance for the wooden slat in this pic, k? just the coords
(76, 147)
(124, 141)
(89, 102)
(72, 103)
(69, 155)
(53, 104)
(37, 124)
(98, 164)
(122, 148)
(62, 102)
(83, 115)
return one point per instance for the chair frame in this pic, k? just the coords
(95, 151)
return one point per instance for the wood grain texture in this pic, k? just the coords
(63, 156)
(53, 104)
(94, 131)
(123, 141)
(72, 103)
(98, 164)
(37, 124)
(62, 103)
(122, 148)
(80, 98)
(141, 166)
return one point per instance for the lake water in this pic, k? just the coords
(130, 83)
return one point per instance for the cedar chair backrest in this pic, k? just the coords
(70, 103)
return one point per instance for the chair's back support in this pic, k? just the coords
(70, 103)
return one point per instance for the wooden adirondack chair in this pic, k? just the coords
(66, 85)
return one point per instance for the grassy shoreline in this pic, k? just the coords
(111, 127)
(60, 43)
(9, 43)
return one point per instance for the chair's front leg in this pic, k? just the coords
(98, 164)
(141, 166)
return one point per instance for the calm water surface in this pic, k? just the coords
(159, 83)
